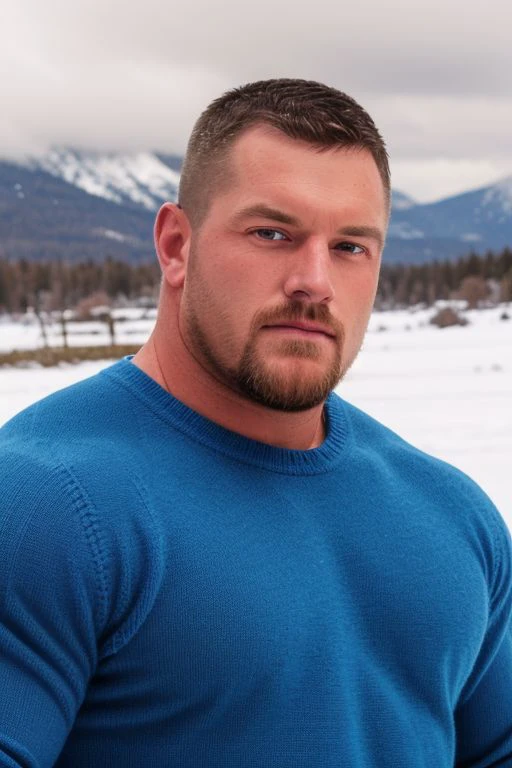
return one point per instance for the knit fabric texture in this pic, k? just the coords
(175, 594)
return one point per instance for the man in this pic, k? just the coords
(209, 559)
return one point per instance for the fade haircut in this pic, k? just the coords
(301, 109)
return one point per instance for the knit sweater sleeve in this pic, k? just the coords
(483, 716)
(58, 593)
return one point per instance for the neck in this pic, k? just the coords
(166, 359)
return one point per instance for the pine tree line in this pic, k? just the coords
(57, 285)
(474, 278)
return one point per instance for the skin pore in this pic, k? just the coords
(264, 307)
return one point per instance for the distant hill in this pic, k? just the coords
(477, 220)
(84, 205)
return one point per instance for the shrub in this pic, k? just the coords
(447, 317)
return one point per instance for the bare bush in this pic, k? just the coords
(447, 317)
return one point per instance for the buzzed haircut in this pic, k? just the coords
(301, 109)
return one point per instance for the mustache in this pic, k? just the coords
(296, 311)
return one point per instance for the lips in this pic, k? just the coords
(304, 327)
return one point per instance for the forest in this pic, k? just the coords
(56, 285)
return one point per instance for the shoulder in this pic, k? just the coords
(440, 500)
(93, 427)
(71, 492)
(81, 407)
(416, 473)
(382, 445)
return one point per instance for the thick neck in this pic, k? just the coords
(175, 415)
(166, 359)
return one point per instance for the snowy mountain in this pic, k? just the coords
(43, 217)
(144, 178)
(86, 205)
(477, 220)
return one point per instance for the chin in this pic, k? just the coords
(283, 390)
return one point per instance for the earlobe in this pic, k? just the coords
(172, 241)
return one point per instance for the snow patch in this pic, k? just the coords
(471, 237)
(401, 202)
(500, 195)
(405, 231)
(111, 234)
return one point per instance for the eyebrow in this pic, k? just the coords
(260, 209)
(267, 212)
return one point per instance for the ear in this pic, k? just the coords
(172, 242)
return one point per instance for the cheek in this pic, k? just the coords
(221, 308)
(242, 291)
(356, 293)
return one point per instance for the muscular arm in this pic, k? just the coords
(483, 717)
(50, 612)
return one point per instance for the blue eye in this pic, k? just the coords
(350, 248)
(269, 234)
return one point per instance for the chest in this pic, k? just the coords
(273, 584)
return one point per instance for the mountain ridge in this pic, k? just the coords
(73, 204)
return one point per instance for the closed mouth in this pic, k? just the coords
(304, 326)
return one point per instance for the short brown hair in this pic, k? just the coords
(301, 109)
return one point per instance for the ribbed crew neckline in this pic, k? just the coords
(232, 444)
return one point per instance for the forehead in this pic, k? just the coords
(266, 164)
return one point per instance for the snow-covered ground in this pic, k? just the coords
(132, 326)
(447, 391)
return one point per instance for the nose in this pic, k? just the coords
(309, 274)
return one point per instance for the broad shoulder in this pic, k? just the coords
(81, 408)
(66, 449)
(414, 471)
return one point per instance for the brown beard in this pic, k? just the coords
(295, 393)
(253, 379)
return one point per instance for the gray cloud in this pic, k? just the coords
(109, 75)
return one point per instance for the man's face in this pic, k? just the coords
(283, 270)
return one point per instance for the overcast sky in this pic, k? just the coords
(436, 75)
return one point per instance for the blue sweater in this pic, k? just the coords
(176, 595)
